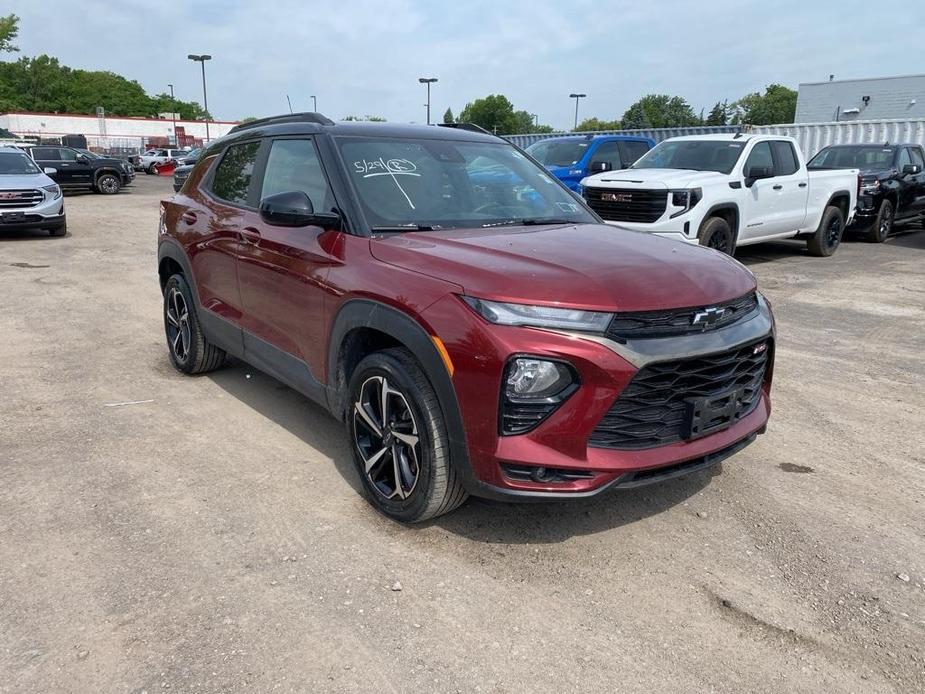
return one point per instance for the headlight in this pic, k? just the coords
(54, 189)
(870, 186)
(685, 199)
(539, 316)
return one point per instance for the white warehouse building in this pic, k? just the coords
(113, 132)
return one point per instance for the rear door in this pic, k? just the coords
(791, 184)
(282, 270)
(54, 157)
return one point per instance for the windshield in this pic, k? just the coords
(441, 184)
(876, 157)
(17, 163)
(558, 152)
(698, 155)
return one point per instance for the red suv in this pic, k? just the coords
(473, 322)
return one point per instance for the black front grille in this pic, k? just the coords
(627, 204)
(656, 407)
(681, 321)
(10, 199)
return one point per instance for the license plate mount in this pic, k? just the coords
(713, 413)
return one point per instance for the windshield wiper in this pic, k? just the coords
(530, 221)
(406, 227)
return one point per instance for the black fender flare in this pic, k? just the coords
(719, 207)
(168, 248)
(107, 170)
(367, 313)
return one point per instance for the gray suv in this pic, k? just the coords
(29, 199)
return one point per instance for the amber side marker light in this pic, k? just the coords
(438, 343)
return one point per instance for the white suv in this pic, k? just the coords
(29, 199)
(725, 191)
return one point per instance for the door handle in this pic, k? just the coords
(250, 235)
(778, 187)
(189, 217)
(803, 185)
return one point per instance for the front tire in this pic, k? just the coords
(151, 170)
(828, 236)
(108, 184)
(190, 351)
(717, 234)
(399, 439)
(883, 225)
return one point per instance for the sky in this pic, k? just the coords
(364, 57)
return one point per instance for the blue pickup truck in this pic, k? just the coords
(572, 158)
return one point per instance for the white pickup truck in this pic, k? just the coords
(725, 191)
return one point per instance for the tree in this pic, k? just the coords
(496, 114)
(778, 104)
(371, 119)
(187, 110)
(448, 116)
(9, 30)
(596, 124)
(719, 114)
(659, 111)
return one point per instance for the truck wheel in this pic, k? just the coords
(827, 237)
(399, 439)
(716, 234)
(108, 184)
(151, 170)
(883, 225)
(190, 351)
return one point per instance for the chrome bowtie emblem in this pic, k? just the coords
(708, 317)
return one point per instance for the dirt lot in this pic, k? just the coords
(211, 538)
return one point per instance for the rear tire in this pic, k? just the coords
(108, 184)
(829, 234)
(883, 225)
(190, 351)
(717, 234)
(400, 443)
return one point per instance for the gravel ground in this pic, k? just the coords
(211, 537)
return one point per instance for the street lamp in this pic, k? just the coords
(536, 120)
(314, 104)
(576, 97)
(173, 116)
(201, 59)
(428, 81)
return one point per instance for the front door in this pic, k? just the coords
(761, 202)
(282, 270)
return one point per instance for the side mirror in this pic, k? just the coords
(911, 169)
(756, 173)
(295, 209)
(83, 159)
(599, 166)
(48, 171)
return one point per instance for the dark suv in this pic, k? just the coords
(82, 169)
(473, 322)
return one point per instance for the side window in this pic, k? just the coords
(904, 158)
(786, 158)
(293, 165)
(609, 152)
(916, 155)
(162, 153)
(232, 180)
(631, 151)
(44, 153)
(65, 154)
(760, 156)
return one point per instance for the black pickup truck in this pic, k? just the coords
(82, 169)
(892, 183)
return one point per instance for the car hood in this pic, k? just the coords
(14, 181)
(589, 266)
(652, 178)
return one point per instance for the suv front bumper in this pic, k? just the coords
(46, 215)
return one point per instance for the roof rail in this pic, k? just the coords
(465, 126)
(305, 117)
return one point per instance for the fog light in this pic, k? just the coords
(536, 378)
(532, 390)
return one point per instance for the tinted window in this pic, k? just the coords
(232, 179)
(610, 153)
(631, 151)
(67, 154)
(786, 158)
(559, 152)
(696, 155)
(46, 153)
(916, 154)
(904, 158)
(760, 156)
(293, 165)
(853, 157)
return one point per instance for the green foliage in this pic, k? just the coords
(595, 124)
(659, 111)
(9, 30)
(719, 114)
(42, 84)
(496, 114)
(448, 116)
(778, 104)
(371, 119)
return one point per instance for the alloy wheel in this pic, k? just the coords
(833, 232)
(109, 185)
(178, 327)
(886, 225)
(719, 242)
(386, 436)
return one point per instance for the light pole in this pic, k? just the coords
(576, 97)
(173, 116)
(314, 104)
(536, 120)
(428, 81)
(201, 59)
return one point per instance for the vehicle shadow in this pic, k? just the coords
(29, 235)
(479, 519)
(909, 236)
(770, 251)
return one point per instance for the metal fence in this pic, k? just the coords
(811, 137)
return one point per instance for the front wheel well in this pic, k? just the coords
(729, 214)
(357, 344)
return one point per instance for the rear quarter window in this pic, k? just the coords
(233, 175)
